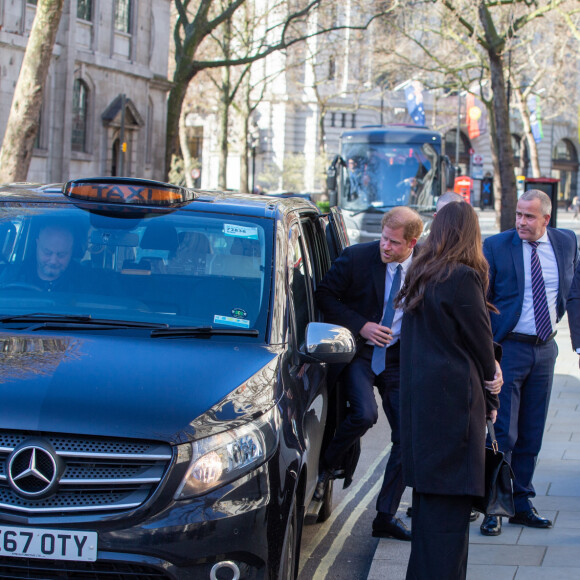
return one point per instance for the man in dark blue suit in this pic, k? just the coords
(356, 293)
(573, 307)
(531, 269)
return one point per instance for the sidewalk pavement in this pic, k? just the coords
(522, 553)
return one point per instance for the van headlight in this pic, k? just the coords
(225, 457)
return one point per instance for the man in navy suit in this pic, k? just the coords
(531, 269)
(356, 293)
(573, 307)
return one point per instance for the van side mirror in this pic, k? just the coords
(329, 343)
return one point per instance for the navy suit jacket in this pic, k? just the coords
(505, 256)
(353, 290)
(573, 307)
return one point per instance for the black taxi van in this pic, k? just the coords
(162, 380)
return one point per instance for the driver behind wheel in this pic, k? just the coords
(54, 268)
(54, 247)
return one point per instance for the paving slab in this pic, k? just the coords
(544, 573)
(556, 536)
(568, 519)
(503, 555)
(558, 503)
(563, 556)
(477, 572)
(522, 553)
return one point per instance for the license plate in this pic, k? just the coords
(54, 544)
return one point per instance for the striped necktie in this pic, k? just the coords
(541, 311)
(380, 352)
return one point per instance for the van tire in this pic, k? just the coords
(326, 509)
(289, 559)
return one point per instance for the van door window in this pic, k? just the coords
(299, 293)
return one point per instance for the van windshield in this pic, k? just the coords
(384, 175)
(169, 267)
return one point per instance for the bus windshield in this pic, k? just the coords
(383, 175)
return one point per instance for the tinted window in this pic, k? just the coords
(299, 288)
(387, 175)
(176, 267)
(85, 9)
(123, 15)
(79, 116)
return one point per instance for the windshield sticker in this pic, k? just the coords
(231, 321)
(240, 231)
(239, 313)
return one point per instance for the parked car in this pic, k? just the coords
(163, 380)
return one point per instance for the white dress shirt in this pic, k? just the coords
(527, 323)
(391, 269)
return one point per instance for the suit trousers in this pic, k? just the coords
(358, 380)
(528, 373)
(440, 537)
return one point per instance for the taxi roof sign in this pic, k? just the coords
(127, 191)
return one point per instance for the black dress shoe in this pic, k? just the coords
(387, 526)
(530, 518)
(491, 526)
(321, 484)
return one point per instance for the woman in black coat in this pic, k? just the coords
(447, 353)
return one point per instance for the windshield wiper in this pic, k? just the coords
(67, 320)
(372, 208)
(202, 331)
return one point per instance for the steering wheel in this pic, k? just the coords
(20, 286)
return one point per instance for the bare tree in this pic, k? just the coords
(23, 121)
(477, 37)
(545, 68)
(197, 21)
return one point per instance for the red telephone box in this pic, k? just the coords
(464, 187)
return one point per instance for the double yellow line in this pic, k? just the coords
(338, 543)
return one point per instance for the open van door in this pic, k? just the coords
(335, 231)
(337, 240)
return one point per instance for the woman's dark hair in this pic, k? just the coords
(455, 239)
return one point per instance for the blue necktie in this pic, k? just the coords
(541, 311)
(379, 352)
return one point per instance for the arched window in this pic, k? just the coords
(331, 68)
(80, 116)
(123, 16)
(565, 151)
(85, 10)
(565, 168)
(516, 142)
(521, 154)
(149, 133)
(464, 147)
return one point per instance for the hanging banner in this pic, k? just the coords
(535, 117)
(414, 96)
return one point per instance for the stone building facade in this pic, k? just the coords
(104, 104)
(312, 93)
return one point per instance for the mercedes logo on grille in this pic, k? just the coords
(32, 470)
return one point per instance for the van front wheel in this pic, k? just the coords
(291, 548)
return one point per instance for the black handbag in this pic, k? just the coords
(498, 499)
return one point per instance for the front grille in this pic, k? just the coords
(99, 473)
(22, 568)
(67, 444)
